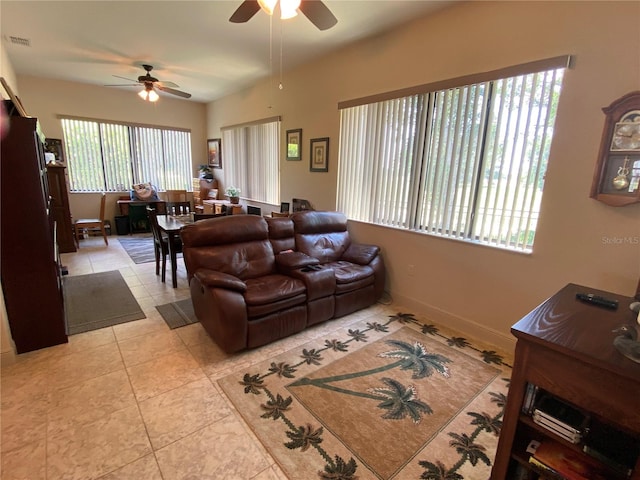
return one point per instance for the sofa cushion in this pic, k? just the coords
(271, 293)
(281, 234)
(350, 276)
(272, 288)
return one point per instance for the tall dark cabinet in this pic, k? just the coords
(60, 211)
(30, 270)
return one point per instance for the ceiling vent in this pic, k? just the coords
(24, 42)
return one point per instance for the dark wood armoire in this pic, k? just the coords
(60, 210)
(30, 267)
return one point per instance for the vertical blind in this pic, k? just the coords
(465, 162)
(252, 159)
(104, 156)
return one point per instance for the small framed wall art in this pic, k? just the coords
(319, 161)
(616, 181)
(294, 144)
(214, 152)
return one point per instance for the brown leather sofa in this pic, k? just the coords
(255, 280)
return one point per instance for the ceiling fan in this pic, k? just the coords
(316, 11)
(150, 84)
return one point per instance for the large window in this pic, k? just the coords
(251, 155)
(465, 162)
(110, 157)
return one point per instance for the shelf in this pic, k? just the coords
(565, 348)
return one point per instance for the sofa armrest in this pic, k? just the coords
(360, 253)
(214, 279)
(293, 260)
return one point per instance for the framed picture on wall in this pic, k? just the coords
(294, 144)
(214, 152)
(319, 161)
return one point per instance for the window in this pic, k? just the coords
(251, 154)
(110, 157)
(466, 162)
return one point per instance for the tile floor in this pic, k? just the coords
(136, 401)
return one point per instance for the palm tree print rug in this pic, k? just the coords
(387, 399)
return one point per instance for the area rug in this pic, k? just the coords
(178, 314)
(98, 300)
(139, 247)
(386, 399)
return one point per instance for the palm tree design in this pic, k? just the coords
(339, 470)
(469, 450)
(401, 402)
(398, 401)
(303, 437)
(437, 471)
(282, 369)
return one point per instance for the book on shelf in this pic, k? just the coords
(568, 464)
(612, 447)
(561, 418)
(530, 397)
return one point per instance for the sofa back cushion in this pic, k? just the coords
(322, 235)
(236, 244)
(281, 234)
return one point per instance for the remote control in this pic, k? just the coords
(598, 300)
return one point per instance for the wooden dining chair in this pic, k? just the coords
(92, 224)
(161, 243)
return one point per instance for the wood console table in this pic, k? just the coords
(565, 347)
(159, 205)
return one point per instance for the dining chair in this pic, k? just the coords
(178, 208)
(161, 243)
(92, 224)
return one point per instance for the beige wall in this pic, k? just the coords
(46, 99)
(478, 289)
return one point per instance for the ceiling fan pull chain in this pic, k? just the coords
(281, 42)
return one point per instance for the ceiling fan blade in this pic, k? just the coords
(318, 13)
(125, 78)
(174, 92)
(245, 11)
(123, 85)
(167, 84)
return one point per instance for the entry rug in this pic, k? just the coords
(385, 399)
(140, 248)
(178, 314)
(98, 300)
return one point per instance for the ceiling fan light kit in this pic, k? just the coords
(150, 84)
(148, 94)
(288, 8)
(315, 10)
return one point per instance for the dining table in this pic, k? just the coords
(171, 225)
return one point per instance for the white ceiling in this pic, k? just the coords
(190, 43)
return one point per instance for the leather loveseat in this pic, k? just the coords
(255, 280)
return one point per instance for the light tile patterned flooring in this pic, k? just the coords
(136, 401)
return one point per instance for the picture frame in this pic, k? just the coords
(319, 155)
(284, 207)
(294, 144)
(214, 152)
(54, 145)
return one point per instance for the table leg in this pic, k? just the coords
(174, 260)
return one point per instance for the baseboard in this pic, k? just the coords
(473, 329)
(7, 358)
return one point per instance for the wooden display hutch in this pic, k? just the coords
(60, 210)
(31, 273)
(564, 346)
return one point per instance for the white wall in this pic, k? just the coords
(478, 289)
